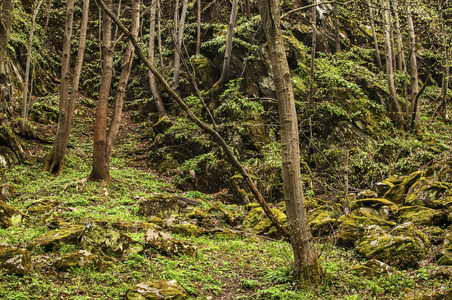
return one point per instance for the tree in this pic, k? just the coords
(336, 28)
(6, 18)
(103, 142)
(314, 43)
(178, 38)
(307, 268)
(415, 117)
(54, 160)
(374, 35)
(399, 55)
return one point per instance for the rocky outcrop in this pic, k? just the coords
(156, 290)
(9, 216)
(159, 205)
(53, 239)
(15, 260)
(168, 244)
(81, 258)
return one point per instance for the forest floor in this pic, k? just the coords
(225, 267)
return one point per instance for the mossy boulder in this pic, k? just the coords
(40, 207)
(10, 150)
(384, 186)
(104, 239)
(159, 205)
(15, 260)
(79, 259)
(188, 229)
(156, 290)
(427, 192)
(323, 221)
(168, 244)
(421, 216)
(9, 216)
(259, 223)
(403, 247)
(435, 234)
(373, 268)
(53, 239)
(375, 203)
(353, 226)
(7, 192)
(445, 257)
(366, 194)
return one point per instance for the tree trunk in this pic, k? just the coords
(374, 35)
(159, 33)
(152, 83)
(6, 17)
(336, 28)
(198, 28)
(415, 116)
(28, 64)
(395, 109)
(123, 79)
(307, 269)
(399, 55)
(313, 49)
(101, 166)
(178, 45)
(219, 85)
(207, 129)
(54, 160)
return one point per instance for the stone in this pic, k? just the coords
(156, 290)
(103, 239)
(322, 221)
(375, 203)
(403, 247)
(426, 192)
(396, 194)
(79, 259)
(366, 194)
(7, 192)
(421, 216)
(15, 260)
(168, 244)
(259, 223)
(187, 229)
(159, 205)
(373, 268)
(53, 239)
(384, 186)
(40, 207)
(9, 216)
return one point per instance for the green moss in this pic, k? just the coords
(188, 230)
(372, 202)
(9, 216)
(420, 215)
(15, 260)
(157, 290)
(53, 239)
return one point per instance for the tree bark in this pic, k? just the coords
(395, 109)
(178, 45)
(198, 28)
(399, 59)
(336, 28)
(313, 49)
(101, 168)
(6, 18)
(307, 269)
(159, 33)
(207, 129)
(414, 79)
(152, 83)
(374, 35)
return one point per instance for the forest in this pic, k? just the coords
(225, 149)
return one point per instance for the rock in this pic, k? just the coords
(158, 290)
(15, 260)
(10, 150)
(7, 192)
(322, 221)
(187, 229)
(352, 227)
(79, 259)
(159, 205)
(418, 295)
(384, 186)
(40, 207)
(443, 272)
(9, 216)
(366, 194)
(435, 234)
(420, 215)
(403, 247)
(396, 193)
(375, 203)
(446, 258)
(102, 239)
(53, 239)
(373, 268)
(259, 223)
(426, 192)
(168, 244)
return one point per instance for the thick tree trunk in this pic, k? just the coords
(207, 129)
(307, 268)
(101, 168)
(6, 17)
(395, 109)
(178, 45)
(415, 116)
(152, 83)
(123, 79)
(374, 35)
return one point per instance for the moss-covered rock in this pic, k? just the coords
(53, 239)
(15, 260)
(435, 234)
(187, 229)
(9, 216)
(373, 268)
(352, 227)
(259, 223)
(420, 215)
(168, 244)
(323, 221)
(103, 239)
(403, 247)
(79, 259)
(156, 290)
(426, 192)
(7, 192)
(159, 205)
(384, 186)
(376, 203)
(40, 207)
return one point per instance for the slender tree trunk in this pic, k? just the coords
(399, 55)
(198, 28)
(101, 168)
(54, 160)
(123, 79)
(159, 33)
(28, 64)
(178, 46)
(395, 109)
(444, 88)
(313, 49)
(152, 83)
(374, 35)
(391, 34)
(336, 28)
(207, 129)
(6, 18)
(307, 267)
(415, 118)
